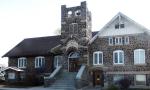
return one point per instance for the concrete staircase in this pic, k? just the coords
(65, 81)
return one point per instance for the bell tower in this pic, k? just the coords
(75, 33)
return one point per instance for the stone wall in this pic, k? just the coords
(136, 41)
(32, 73)
(80, 35)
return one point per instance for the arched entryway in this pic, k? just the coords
(73, 61)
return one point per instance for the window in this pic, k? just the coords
(110, 41)
(78, 13)
(98, 58)
(118, 41)
(119, 26)
(69, 13)
(118, 57)
(117, 77)
(22, 76)
(57, 61)
(140, 79)
(39, 62)
(139, 56)
(73, 28)
(22, 62)
(11, 75)
(126, 40)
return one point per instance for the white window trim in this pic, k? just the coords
(118, 39)
(139, 52)
(11, 75)
(110, 39)
(37, 60)
(97, 52)
(118, 51)
(126, 40)
(136, 80)
(57, 61)
(22, 61)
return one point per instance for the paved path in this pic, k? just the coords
(29, 88)
(43, 88)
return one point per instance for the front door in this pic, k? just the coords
(97, 77)
(73, 66)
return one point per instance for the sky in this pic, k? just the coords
(20, 19)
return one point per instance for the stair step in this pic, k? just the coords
(65, 81)
(57, 88)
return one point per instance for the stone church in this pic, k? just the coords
(119, 50)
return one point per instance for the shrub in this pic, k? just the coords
(112, 87)
(124, 83)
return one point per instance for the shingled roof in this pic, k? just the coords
(35, 46)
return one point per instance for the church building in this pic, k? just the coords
(119, 50)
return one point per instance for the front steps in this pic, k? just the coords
(65, 81)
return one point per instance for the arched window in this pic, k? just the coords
(98, 58)
(78, 13)
(22, 62)
(39, 61)
(118, 57)
(139, 56)
(69, 13)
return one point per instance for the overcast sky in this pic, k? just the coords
(21, 19)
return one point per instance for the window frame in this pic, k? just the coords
(11, 75)
(111, 41)
(126, 40)
(141, 81)
(22, 62)
(117, 77)
(98, 60)
(139, 61)
(39, 61)
(118, 57)
(119, 25)
(118, 41)
(57, 61)
(122, 25)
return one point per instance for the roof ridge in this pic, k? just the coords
(42, 37)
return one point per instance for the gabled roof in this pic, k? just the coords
(35, 46)
(14, 68)
(113, 19)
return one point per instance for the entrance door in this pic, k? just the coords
(97, 78)
(73, 60)
(73, 66)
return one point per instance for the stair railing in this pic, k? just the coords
(51, 79)
(81, 79)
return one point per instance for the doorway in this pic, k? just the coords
(98, 78)
(73, 62)
(73, 65)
